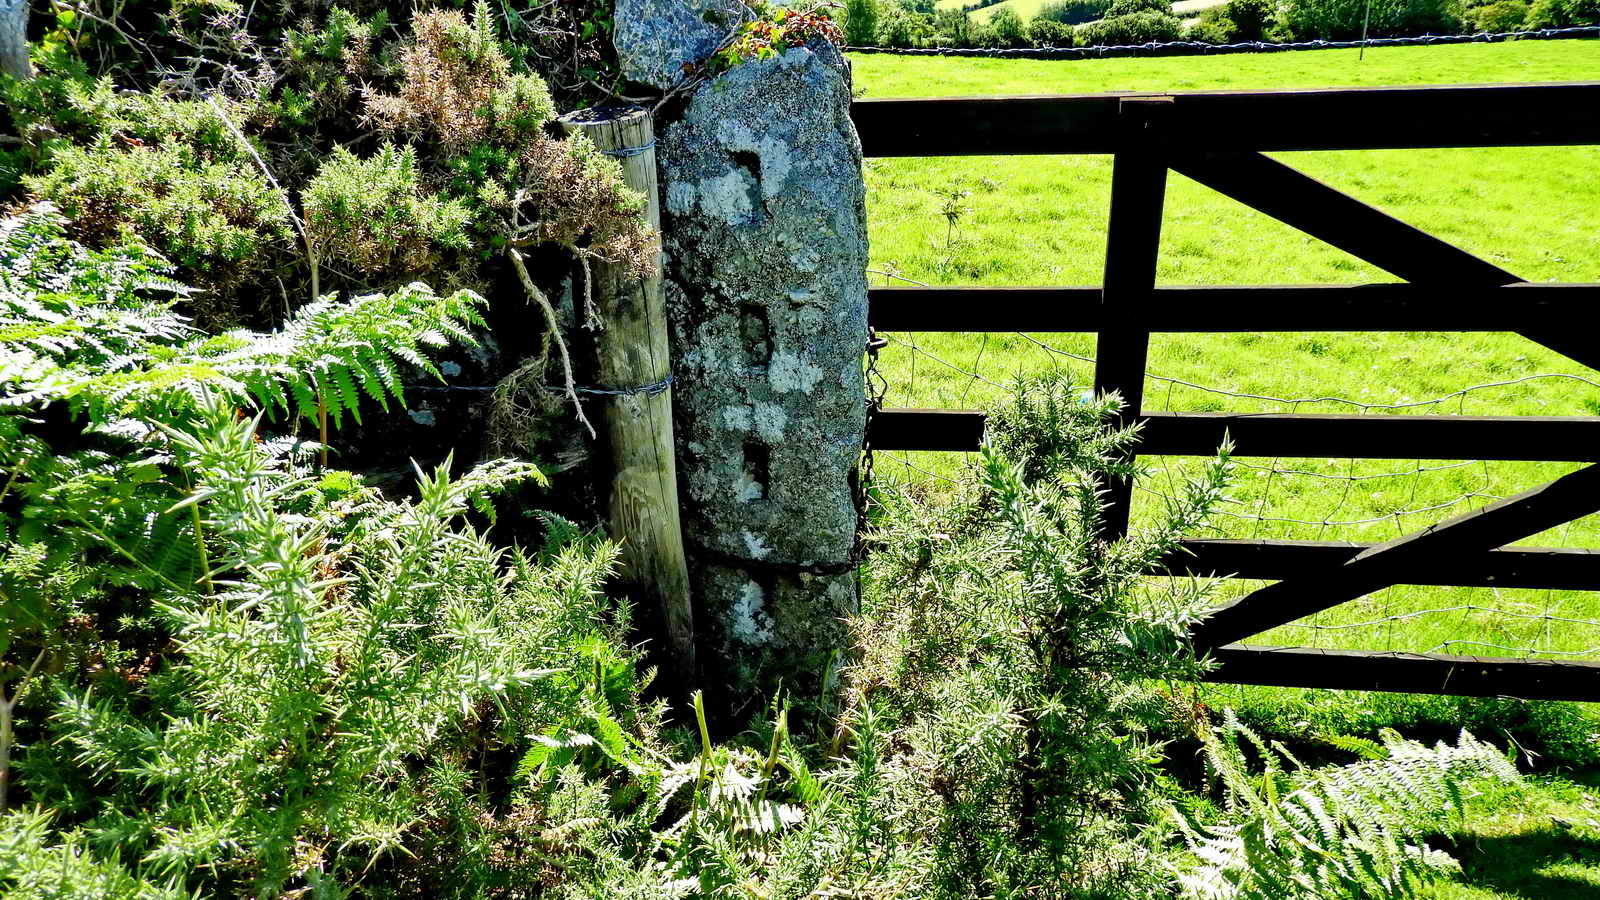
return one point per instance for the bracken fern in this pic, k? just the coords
(1341, 831)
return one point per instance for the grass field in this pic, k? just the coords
(1041, 220)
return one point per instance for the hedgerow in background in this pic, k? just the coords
(1238, 21)
(1343, 20)
(1132, 22)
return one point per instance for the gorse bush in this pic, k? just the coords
(215, 218)
(373, 214)
(1010, 647)
(230, 670)
(217, 182)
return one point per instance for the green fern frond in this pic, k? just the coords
(1347, 831)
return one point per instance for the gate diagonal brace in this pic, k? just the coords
(1363, 231)
(1512, 519)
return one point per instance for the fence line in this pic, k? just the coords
(1395, 610)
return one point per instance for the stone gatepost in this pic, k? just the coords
(764, 221)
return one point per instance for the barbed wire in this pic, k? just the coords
(1341, 493)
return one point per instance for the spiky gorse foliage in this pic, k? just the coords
(276, 746)
(483, 125)
(1016, 648)
(315, 671)
(1343, 831)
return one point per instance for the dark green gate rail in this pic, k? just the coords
(1217, 139)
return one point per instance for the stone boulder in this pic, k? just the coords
(655, 39)
(764, 220)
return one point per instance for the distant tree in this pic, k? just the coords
(1237, 21)
(861, 22)
(1119, 8)
(1563, 13)
(1049, 33)
(1006, 29)
(1071, 12)
(900, 26)
(1500, 16)
(1144, 27)
(955, 28)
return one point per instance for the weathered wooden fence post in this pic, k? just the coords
(632, 358)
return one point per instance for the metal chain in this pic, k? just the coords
(876, 387)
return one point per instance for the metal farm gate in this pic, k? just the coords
(1218, 139)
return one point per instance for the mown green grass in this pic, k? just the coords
(1041, 220)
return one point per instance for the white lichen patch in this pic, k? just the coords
(850, 376)
(772, 154)
(755, 545)
(788, 372)
(749, 621)
(680, 197)
(422, 416)
(804, 297)
(805, 259)
(746, 488)
(769, 420)
(736, 418)
(726, 197)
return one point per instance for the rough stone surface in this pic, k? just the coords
(14, 39)
(655, 38)
(765, 230)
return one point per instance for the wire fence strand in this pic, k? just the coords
(1360, 501)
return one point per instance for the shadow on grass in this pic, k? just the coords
(1520, 865)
